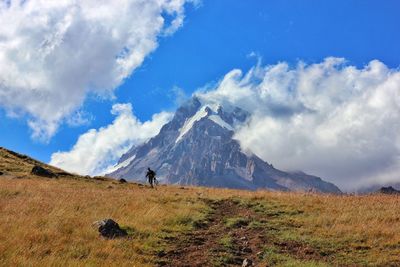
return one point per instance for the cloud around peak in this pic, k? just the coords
(53, 53)
(330, 119)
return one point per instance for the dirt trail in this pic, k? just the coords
(226, 239)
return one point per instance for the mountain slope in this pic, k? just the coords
(196, 148)
(15, 164)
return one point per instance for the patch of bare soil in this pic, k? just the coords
(225, 239)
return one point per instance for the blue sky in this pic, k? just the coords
(216, 37)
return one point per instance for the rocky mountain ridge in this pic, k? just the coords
(197, 148)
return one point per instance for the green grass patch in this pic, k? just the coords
(236, 222)
(273, 257)
(256, 224)
(226, 242)
(284, 224)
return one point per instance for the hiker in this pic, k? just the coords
(151, 175)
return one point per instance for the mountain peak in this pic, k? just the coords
(214, 113)
(196, 148)
(226, 111)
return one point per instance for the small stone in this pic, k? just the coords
(161, 253)
(108, 228)
(247, 263)
(247, 250)
(243, 238)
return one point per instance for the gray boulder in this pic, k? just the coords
(108, 228)
(40, 171)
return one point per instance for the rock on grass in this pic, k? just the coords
(110, 229)
(40, 171)
(247, 263)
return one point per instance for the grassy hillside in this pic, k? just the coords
(49, 222)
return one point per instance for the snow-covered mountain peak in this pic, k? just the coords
(201, 113)
(214, 112)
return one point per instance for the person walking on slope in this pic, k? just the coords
(151, 175)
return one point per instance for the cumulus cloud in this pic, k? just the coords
(53, 53)
(96, 150)
(330, 119)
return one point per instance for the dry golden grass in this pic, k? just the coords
(356, 229)
(47, 222)
(361, 230)
(19, 165)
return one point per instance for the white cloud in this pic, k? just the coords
(53, 53)
(330, 119)
(96, 150)
(79, 118)
(178, 95)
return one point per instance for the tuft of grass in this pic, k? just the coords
(255, 224)
(236, 222)
(227, 242)
(226, 256)
(4, 193)
(272, 257)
